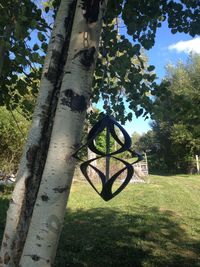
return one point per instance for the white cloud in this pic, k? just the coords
(187, 46)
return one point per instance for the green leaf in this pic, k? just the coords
(151, 68)
(35, 47)
(47, 9)
(41, 37)
(174, 30)
(44, 46)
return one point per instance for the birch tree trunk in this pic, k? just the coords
(48, 214)
(33, 159)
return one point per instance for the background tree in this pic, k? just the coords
(13, 130)
(176, 125)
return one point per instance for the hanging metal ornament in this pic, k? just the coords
(109, 124)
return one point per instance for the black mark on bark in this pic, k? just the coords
(35, 257)
(51, 74)
(31, 154)
(68, 22)
(6, 258)
(69, 19)
(91, 10)
(44, 198)
(58, 59)
(87, 57)
(74, 101)
(60, 36)
(60, 189)
(38, 237)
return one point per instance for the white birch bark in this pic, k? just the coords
(49, 210)
(41, 112)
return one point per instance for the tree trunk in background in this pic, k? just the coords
(197, 163)
(57, 167)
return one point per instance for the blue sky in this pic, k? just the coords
(169, 49)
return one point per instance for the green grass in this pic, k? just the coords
(150, 225)
(147, 225)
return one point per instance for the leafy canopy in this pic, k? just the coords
(122, 72)
(21, 58)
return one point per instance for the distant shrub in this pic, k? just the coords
(13, 131)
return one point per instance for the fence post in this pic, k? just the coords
(197, 162)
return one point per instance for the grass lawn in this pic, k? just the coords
(147, 225)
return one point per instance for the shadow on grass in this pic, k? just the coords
(106, 237)
(109, 238)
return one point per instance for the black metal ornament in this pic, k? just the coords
(108, 122)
